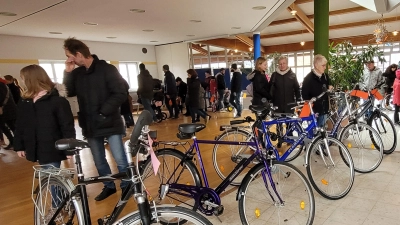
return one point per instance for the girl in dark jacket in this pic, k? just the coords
(193, 96)
(390, 74)
(43, 117)
(260, 82)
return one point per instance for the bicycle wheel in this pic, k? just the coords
(385, 127)
(226, 157)
(164, 116)
(48, 197)
(365, 146)
(171, 171)
(260, 205)
(331, 181)
(388, 99)
(167, 215)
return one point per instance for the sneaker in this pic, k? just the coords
(237, 116)
(222, 110)
(389, 107)
(105, 193)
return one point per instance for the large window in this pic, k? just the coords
(129, 71)
(54, 68)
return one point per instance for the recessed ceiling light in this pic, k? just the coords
(195, 21)
(90, 24)
(235, 28)
(259, 7)
(53, 32)
(111, 37)
(153, 41)
(137, 10)
(148, 30)
(7, 14)
(190, 35)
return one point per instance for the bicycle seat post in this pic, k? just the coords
(82, 186)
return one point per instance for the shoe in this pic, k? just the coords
(223, 110)
(9, 147)
(105, 193)
(198, 120)
(389, 107)
(237, 116)
(207, 119)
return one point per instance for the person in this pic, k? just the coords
(44, 116)
(316, 82)
(202, 104)
(15, 90)
(100, 90)
(221, 86)
(193, 84)
(260, 82)
(145, 90)
(236, 89)
(371, 79)
(396, 97)
(126, 111)
(390, 75)
(170, 93)
(182, 91)
(284, 87)
(8, 114)
(207, 88)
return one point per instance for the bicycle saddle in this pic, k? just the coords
(70, 144)
(187, 130)
(259, 109)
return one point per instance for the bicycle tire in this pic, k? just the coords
(317, 171)
(164, 213)
(295, 192)
(56, 190)
(299, 148)
(190, 175)
(389, 137)
(366, 156)
(164, 116)
(225, 157)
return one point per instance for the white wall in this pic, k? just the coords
(32, 48)
(174, 55)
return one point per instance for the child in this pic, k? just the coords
(43, 117)
(396, 97)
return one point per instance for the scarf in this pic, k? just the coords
(283, 72)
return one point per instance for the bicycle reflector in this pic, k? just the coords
(257, 212)
(302, 205)
(324, 182)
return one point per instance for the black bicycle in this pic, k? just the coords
(58, 201)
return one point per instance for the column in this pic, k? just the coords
(321, 27)
(257, 45)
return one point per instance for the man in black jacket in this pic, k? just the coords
(236, 90)
(221, 89)
(15, 91)
(182, 91)
(100, 91)
(170, 92)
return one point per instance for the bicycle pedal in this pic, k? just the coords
(219, 210)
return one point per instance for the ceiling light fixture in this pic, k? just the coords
(53, 32)
(90, 24)
(236, 50)
(195, 21)
(259, 7)
(395, 32)
(380, 33)
(302, 43)
(251, 49)
(137, 10)
(153, 41)
(111, 37)
(7, 14)
(235, 28)
(293, 12)
(148, 30)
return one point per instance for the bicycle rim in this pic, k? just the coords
(331, 181)
(257, 206)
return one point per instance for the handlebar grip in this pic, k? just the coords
(233, 122)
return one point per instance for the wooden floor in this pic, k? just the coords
(16, 206)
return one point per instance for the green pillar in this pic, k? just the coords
(321, 27)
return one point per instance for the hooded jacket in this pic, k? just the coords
(236, 82)
(285, 89)
(313, 86)
(260, 87)
(396, 89)
(145, 85)
(40, 124)
(372, 79)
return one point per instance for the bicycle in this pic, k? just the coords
(58, 201)
(269, 187)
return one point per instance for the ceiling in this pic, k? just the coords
(169, 20)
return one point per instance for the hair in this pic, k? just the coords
(283, 57)
(178, 79)
(192, 72)
(319, 59)
(259, 61)
(222, 69)
(74, 46)
(9, 78)
(142, 67)
(165, 67)
(36, 80)
(388, 70)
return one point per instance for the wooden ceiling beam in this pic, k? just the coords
(201, 50)
(303, 1)
(229, 44)
(246, 40)
(302, 17)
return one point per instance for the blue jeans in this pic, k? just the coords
(321, 120)
(147, 106)
(221, 99)
(235, 101)
(99, 156)
(57, 192)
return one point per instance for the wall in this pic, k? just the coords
(174, 55)
(17, 52)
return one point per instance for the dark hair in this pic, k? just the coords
(74, 46)
(9, 77)
(221, 69)
(142, 67)
(178, 79)
(192, 72)
(388, 70)
(165, 67)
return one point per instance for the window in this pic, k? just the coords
(54, 68)
(129, 71)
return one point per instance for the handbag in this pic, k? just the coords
(5, 100)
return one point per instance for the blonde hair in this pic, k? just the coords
(36, 80)
(259, 61)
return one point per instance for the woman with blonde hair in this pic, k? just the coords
(260, 82)
(43, 117)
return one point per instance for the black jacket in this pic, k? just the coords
(390, 78)
(145, 85)
(284, 89)
(39, 125)
(236, 82)
(15, 91)
(9, 108)
(220, 81)
(170, 84)
(260, 88)
(193, 85)
(182, 90)
(312, 87)
(100, 91)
